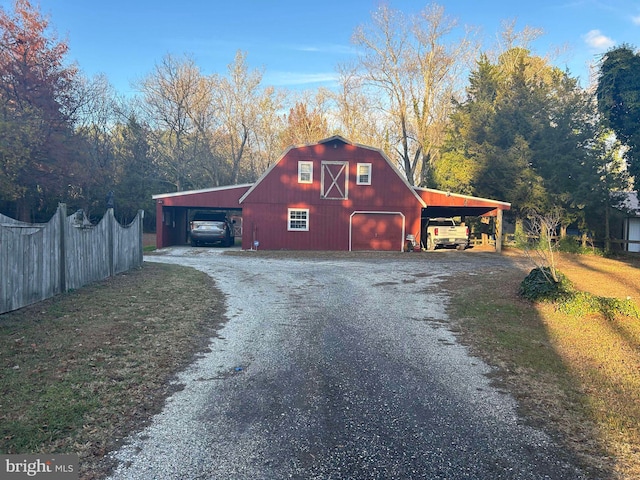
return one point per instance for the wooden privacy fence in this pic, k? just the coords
(38, 261)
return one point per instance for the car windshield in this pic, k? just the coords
(209, 225)
(208, 217)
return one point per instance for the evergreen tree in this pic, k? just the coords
(521, 135)
(618, 95)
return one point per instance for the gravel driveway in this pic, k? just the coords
(338, 368)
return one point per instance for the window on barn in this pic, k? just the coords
(364, 174)
(298, 220)
(305, 172)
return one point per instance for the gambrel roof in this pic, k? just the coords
(337, 140)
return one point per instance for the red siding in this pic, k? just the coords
(281, 184)
(265, 208)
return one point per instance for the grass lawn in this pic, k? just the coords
(576, 376)
(83, 370)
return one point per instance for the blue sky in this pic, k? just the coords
(299, 43)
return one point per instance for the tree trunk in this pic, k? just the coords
(23, 210)
(563, 231)
(607, 232)
(519, 227)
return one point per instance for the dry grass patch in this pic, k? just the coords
(577, 377)
(83, 370)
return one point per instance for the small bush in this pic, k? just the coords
(540, 286)
(573, 244)
(582, 303)
(569, 244)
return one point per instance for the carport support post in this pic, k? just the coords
(499, 231)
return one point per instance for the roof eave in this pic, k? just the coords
(203, 190)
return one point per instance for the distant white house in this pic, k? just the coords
(632, 221)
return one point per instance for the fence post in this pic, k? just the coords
(140, 237)
(62, 223)
(499, 231)
(110, 238)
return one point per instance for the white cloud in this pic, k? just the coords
(326, 48)
(596, 40)
(636, 20)
(282, 79)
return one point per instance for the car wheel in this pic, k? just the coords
(461, 246)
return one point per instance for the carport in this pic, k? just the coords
(173, 209)
(446, 204)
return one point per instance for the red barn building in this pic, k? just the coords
(332, 195)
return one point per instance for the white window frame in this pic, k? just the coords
(358, 181)
(291, 213)
(302, 164)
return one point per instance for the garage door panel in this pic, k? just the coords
(377, 231)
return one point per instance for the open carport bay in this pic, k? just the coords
(337, 368)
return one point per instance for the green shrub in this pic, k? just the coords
(569, 244)
(540, 286)
(582, 303)
(573, 244)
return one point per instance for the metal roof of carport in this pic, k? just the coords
(447, 204)
(218, 197)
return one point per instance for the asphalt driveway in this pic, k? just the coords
(338, 368)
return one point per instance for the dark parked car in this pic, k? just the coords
(211, 228)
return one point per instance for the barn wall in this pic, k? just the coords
(329, 227)
(265, 208)
(633, 234)
(281, 184)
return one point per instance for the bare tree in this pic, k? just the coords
(540, 247)
(356, 114)
(307, 121)
(265, 148)
(417, 67)
(237, 99)
(176, 101)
